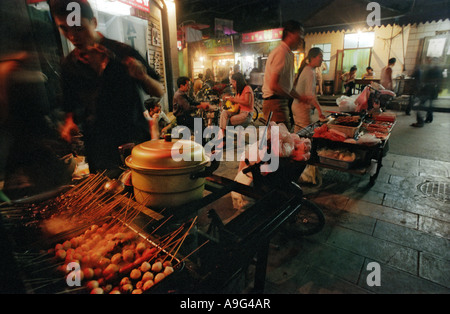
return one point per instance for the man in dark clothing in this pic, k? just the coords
(430, 84)
(101, 81)
(183, 105)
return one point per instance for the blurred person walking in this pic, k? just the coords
(278, 87)
(102, 81)
(430, 85)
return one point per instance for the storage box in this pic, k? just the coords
(336, 163)
(347, 130)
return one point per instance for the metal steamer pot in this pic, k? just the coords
(159, 180)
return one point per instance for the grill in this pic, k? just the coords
(210, 243)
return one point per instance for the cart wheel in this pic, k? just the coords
(255, 114)
(308, 221)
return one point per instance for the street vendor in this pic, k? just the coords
(102, 80)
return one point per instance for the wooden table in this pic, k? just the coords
(364, 82)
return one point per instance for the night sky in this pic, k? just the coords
(253, 15)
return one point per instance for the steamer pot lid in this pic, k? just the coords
(166, 154)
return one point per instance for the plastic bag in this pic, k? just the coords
(311, 174)
(362, 101)
(242, 202)
(302, 148)
(346, 104)
(368, 139)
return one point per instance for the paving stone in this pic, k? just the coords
(434, 226)
(385, 251)
(408, 164)
(331, 201)
(369, 196)
(408, 172)
(408, 185)
(396, 180)
(316, 281)
(281, 270)
(386, 162)
(395, 201)
(383, 187)
(433, 171)
(425, 206)
(435, 163)
(415, 239)
(434, 268)
(404, 159)
(341, 263)
(361, 223)
(388, 214)
(395, 281)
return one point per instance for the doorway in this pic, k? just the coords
(345, 59)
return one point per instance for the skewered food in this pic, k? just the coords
(348, 120)
(114, 260)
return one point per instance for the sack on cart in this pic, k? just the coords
(311, 174)
(346, 104)
(289, 145)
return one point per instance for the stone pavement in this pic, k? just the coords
(402, 223)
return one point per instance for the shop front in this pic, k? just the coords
(220, 53)
(255, 48)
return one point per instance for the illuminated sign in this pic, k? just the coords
(218, 46)
(262, 36)
(138, 4)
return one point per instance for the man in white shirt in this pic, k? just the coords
(279, 75)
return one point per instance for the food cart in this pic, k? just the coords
(351, 142)
(95, 236)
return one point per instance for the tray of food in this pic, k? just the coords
(349, 125)
(339, 158)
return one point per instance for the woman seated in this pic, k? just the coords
(349, 80)
(369, 74)
(242, 111)
(366, 76)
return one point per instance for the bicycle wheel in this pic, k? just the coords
(308, 221)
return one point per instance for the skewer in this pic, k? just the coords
(47, 284)
(184, 237)
(71, 290)
(56, 265)
(191, 253)
(161, 224)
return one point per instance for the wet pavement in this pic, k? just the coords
(402, 223)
